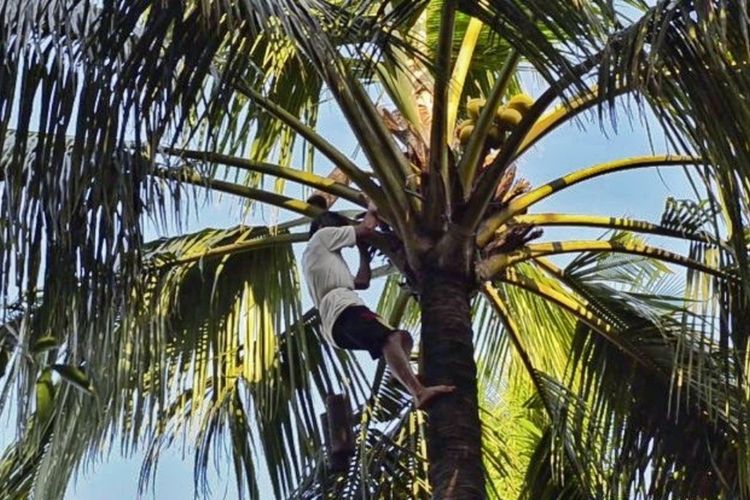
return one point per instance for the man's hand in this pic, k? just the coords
(367, 227)
(366, 250)
(364, 274)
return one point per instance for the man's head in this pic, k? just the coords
(327, 219)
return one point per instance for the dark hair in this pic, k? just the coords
(328, 219)
(319, 201)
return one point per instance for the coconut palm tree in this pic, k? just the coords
(597, 378)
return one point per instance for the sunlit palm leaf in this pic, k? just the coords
(664, 408)
(183, 364)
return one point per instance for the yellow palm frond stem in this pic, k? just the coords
(321, 144)
(571, 303)
(190, 177)
(564, 113)
(461, 69)
(332, 184)
(605, 222)
(337, 177)
(421, 488)
(380, 242)
(237, 248)
(549, 267)
(489, 268)
(579, 308)
(514, 334)
(491, 224)
(548, 122)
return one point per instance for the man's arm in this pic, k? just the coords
(364, 231)
(364, 273)
(366, 228)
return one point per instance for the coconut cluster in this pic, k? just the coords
(506, 118)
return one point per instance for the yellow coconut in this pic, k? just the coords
(464, 133)
(509, 117)
(462, 124)
(474, 107)
(500, 110)
(521, 102)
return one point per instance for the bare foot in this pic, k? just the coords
(427, 394)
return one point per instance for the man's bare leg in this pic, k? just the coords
(398, 362)
(407, 344)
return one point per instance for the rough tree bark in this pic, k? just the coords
(454, 430)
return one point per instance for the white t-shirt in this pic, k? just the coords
(329, 279)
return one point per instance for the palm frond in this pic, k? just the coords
(492, 266)
(520, 203)
(216, 337)
(251, 340)
(685, 232)
(99, 73)
(540, 343)
(686, 392)
(20, 464)
(323, 184)
(552, 36)
(597, 439)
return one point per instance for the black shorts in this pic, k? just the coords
(358, 328)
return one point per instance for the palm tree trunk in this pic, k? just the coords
(454, 432)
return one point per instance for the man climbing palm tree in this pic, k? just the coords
(346, 322)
